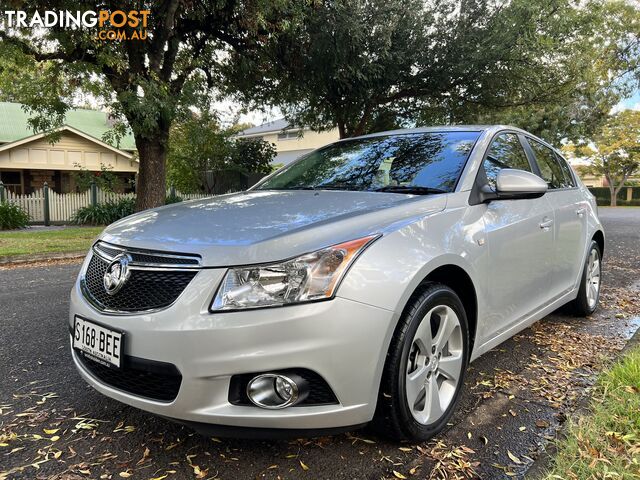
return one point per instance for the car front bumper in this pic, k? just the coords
(343, 341)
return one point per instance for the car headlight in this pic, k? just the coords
(313, 276)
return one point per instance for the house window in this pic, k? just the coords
(12, 181)
(288, 135)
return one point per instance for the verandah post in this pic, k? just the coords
(45, 204)
(94, 193)
(1, 191)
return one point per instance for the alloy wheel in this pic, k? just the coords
(592, 284)
(434, 366)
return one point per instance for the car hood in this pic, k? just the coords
(264, 226)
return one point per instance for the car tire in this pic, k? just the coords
(589, 293)
(416, 357)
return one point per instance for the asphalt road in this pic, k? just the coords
(515, 400)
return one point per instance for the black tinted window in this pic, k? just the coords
(505, 152)
(431, 160)
(550, 168)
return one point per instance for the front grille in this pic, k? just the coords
(146, 289)
(149, 379)
(147, 256)
(320, 392)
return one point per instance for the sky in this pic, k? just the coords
(632, 103)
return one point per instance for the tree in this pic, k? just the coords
(250, 155)
(199, 145)
(364, 65)
(606, 69)
(147, 83)
(614, 152)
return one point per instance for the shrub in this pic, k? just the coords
(12, 216)
(105, 213)
(172, 199)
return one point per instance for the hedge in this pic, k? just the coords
(603, 196)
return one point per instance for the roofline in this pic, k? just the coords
(267, 132)
(433, 129)
(91, 138)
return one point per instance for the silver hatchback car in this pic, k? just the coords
(353, 286)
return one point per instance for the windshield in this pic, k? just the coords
(410, 163)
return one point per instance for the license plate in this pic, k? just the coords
(98, 343)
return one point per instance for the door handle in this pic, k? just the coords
(545, 224)
(580, 212)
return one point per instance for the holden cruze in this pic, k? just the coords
(352, 286)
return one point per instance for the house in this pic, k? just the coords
(290, 142)
(27, 160)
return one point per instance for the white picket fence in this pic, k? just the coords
(62, 206)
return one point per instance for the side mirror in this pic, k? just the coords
(512, 184)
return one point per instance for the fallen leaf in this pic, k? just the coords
(124, 474)
(304, 467)
(513, 458)
(398, 475)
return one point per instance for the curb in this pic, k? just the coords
(40, 257)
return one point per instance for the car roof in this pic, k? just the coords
(443, 128)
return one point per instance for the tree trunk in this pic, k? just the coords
(613, 195)
(151, 184)
(342, 130)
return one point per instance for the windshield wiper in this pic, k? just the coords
(410, 189)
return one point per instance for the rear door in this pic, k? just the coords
(570, 217)
(520, 241)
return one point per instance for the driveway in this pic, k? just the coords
(52, 425)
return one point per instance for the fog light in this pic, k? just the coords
(273, 391)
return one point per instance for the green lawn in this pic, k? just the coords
(29, 242)
(606, 442)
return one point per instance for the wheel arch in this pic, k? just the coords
(456, 278)
(598, 236)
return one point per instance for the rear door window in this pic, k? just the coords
(505, 152)
(550, 169)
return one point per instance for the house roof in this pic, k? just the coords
(14, 124)
(10, 145)
(269, 127)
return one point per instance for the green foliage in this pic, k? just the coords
(199, 145)
(105, 179)
(605, 442)
(12, 216)
(252, 156)
(603, 196)
(173, 199)
(104, 213)
(614, 151)
(368, 65)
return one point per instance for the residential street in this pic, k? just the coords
(52, 425)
